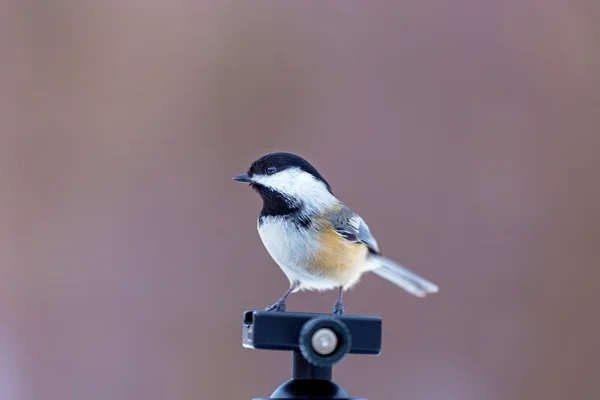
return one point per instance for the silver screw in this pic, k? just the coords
(324, 341)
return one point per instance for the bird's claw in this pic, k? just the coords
(338, 308)
(278, 306)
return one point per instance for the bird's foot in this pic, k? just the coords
(338, 308)
(277, 306)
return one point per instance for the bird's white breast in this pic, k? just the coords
(293, 248)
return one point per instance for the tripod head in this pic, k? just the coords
(318, 342)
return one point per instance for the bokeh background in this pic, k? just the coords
(466, 133)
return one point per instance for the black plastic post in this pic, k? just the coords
(312, 364)
(302, 369)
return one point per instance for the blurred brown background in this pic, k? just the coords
(466, 133)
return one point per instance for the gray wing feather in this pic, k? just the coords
(352, 227)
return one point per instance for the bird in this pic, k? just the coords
(314, 238)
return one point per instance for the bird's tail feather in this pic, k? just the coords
(401, 276)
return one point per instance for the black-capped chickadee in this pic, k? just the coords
(318, 242)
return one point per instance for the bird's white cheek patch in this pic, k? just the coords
(285, 181)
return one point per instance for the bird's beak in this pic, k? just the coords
(242, 178)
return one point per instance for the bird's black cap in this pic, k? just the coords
(282, 161)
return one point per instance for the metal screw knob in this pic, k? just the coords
(324, 341)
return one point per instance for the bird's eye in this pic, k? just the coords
(271, 170)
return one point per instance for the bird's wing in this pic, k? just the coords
(353, 228)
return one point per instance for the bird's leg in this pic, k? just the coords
(279, 305)
(338, 308)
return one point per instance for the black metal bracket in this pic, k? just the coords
(318, 341)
